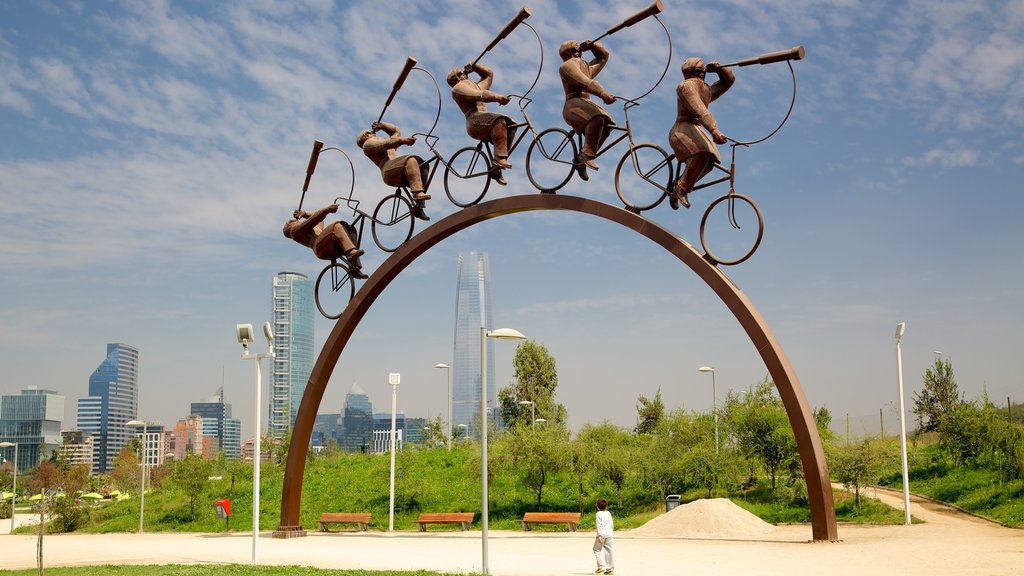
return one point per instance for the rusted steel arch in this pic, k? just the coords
(819, 490)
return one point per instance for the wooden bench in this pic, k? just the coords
(359, 519)
(570, 519)
(464, 519)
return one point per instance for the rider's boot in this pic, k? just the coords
(680, 191)
(502, 162)
(356, 269)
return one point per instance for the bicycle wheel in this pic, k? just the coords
(334, 288)
(643, 177)
(736, 229)
(550, 161)
(392, 222)
(467, 177)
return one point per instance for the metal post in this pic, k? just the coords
(483, 447)
(393, 379)
(448, 427)
(256, 455)
(142, 478)
(903, 426)
(714, 405)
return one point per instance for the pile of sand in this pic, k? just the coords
(711, 518)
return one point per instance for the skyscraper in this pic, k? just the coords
(112, 402)
(472, 311)
(32, 420)
(357, 421)
(217, 421)
(293, 348)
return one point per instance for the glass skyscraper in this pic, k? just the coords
(357, 421)
(112, 402)
(217, 421)
(32, 420)
(472, 311)
(293, 348)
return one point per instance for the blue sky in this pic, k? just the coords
(151, 151)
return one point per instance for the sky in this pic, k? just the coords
(150, 152)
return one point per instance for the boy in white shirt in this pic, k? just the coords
(603, 548)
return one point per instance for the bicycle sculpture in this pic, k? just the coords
(556, 154)
(471, 169)
(339, 243)
(644, 176)
(660, 178)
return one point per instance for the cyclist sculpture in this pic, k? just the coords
(694, 146)
(396, 170)
(579, 111)
(328, 243)
(472, 98)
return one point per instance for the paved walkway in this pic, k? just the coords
(948, 543)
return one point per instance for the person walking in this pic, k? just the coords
(604, 550)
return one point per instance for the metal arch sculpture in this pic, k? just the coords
(819, 491)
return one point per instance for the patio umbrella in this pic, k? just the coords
(36, 497)
(6, 495)
(92, 496)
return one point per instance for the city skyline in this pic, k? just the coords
(148, 142)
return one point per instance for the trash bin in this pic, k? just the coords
(671, 501)
(223, 508)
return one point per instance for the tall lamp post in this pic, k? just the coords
(142, 467)
(448, 426)
(714, 399)
(533, 412)
(394, 379)
(14, 485)
(903, 425)
(245, 337)
(499, 334)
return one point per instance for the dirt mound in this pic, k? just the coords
(710, 518)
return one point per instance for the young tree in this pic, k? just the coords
(650, 412)
(536, 381)
(539, 454)
(46, 480)
(192, 474)
(858, 465)
(763, 431)
(938, 397)
(611, 448)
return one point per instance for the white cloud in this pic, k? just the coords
(950, 155)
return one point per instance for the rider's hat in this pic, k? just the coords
(566, 49)
(693, 66)
(363, 137)
(453, 75)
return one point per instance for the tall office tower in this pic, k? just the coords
(112, 402)
(293, 349)
(472, 311)
(77, 447)
(32, 420)
(357, 421)
(217, 421)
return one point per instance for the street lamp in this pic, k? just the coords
(903, 425)
(14, 485)
(142, 467)
(533, 412)
(541, 420)
(448, 426)
(714, 399)
(499, 334)
(394, 379)
(245, 337)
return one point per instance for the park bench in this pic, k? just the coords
(464, 519)
(359, 519)
(570, 519)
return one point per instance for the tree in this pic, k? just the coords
(650, 412)
(858, 465)
(536, 380)
(611, 449)
(192, 474)
(47, 481)
(938, 397)
(539, 454)
(762, 429)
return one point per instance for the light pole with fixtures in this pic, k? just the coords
(903, 425)
(14, 484)
(499, 334)
(245, 337)
(394, 379)
(142, 467)
(714, 399)
(448, 426)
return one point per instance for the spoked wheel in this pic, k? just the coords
(733, 223)
(643, 177)
(467, 177)
(550, 161)
(392, 222)
(334, 288)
